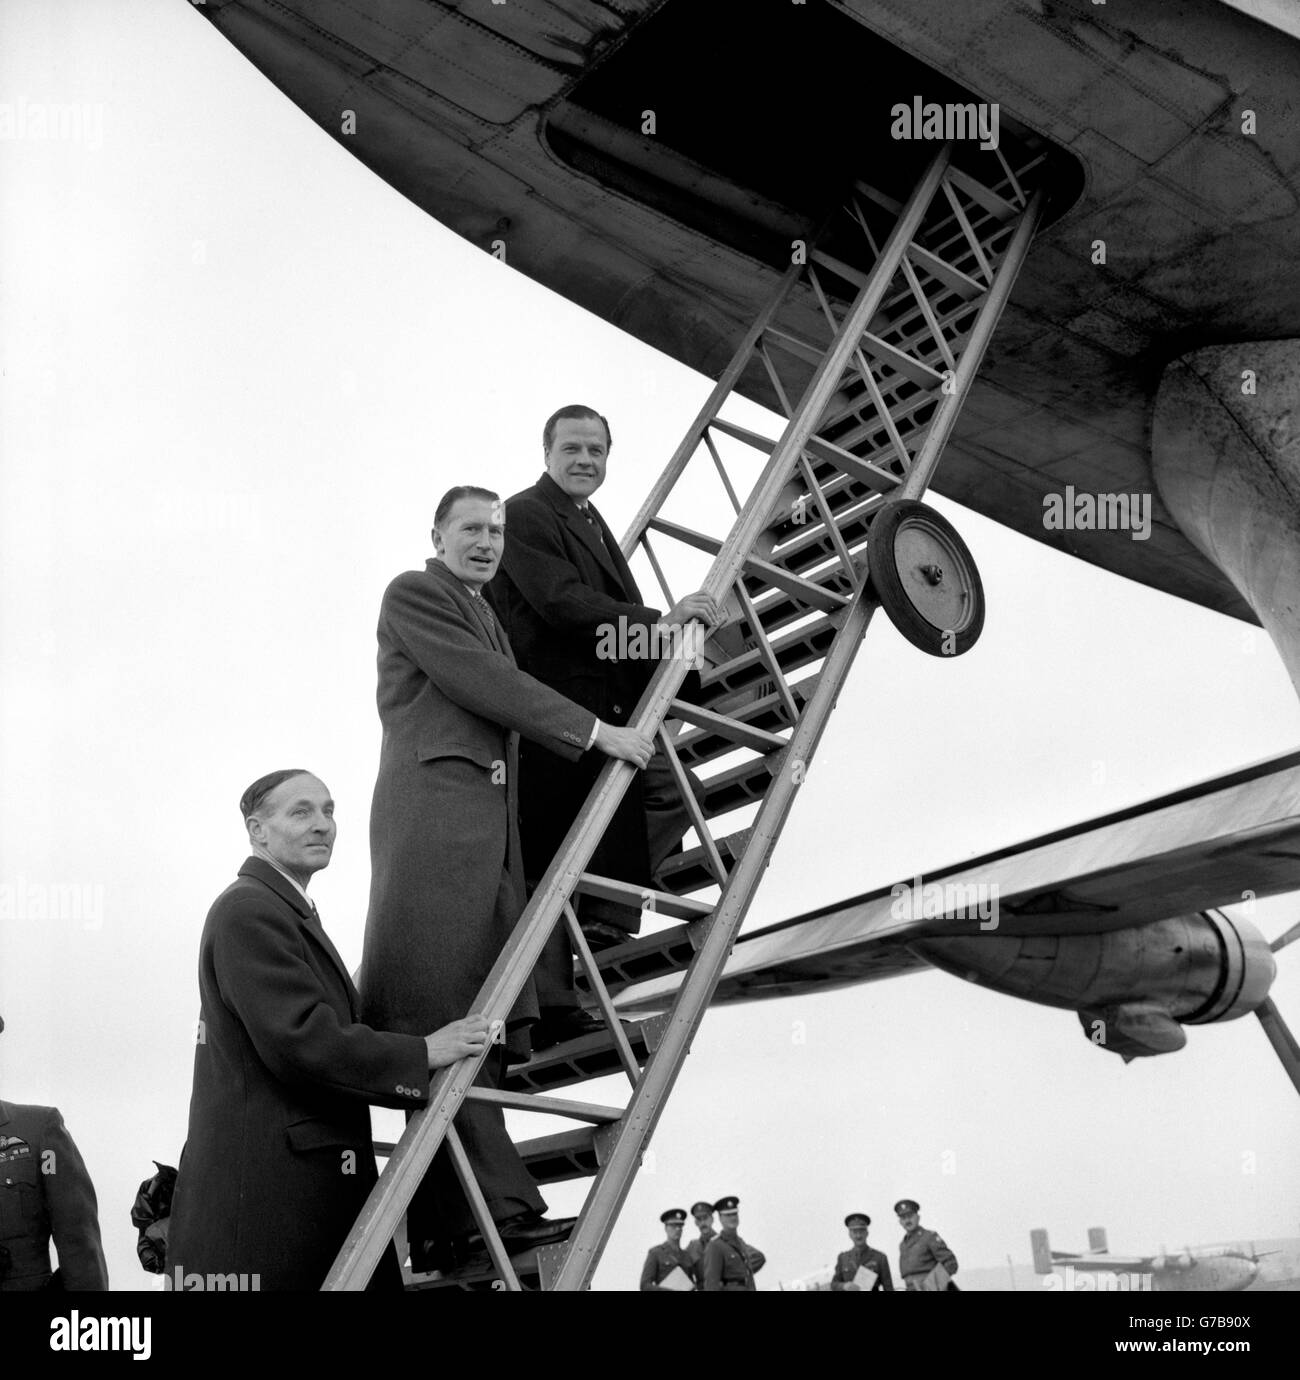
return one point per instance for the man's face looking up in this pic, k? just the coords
(295, 825)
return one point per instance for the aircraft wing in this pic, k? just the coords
(1117, 1264)
(646, 163)
(1213, 844)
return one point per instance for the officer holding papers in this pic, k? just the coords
(924, 1259)
(668, 1268)
(861, 1269)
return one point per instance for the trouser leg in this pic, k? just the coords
(665, 821)
(439, 1211)
(666, 816)
(553, 975)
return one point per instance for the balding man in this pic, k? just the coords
(279, 1160)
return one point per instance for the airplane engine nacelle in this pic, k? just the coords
(1133, 989)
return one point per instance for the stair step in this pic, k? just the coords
(774, 576)
(763, 573)
(688, 536)
(650, 955)
(764, 711)
(909, 365)
(808, 351)
(740, 433)
(593, 1056)
(689, 871)
(911, 317)
(735, 730)
(961, 283)
(946, 225)
(524, 1100)
(999, 209)
(575, 1154)
(629, 894)
(738, 786)
(866, 473)
(847, 271)
(809, 547)
(480, 1278)
(902, 401)
(946, 238)
(806, 644)
(774, 607)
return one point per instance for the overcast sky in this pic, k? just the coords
(238, 371)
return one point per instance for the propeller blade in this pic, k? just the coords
(1283, 1042)
(1286, 938)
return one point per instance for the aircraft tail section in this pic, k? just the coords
(1042, 1251)
(1097, 1240)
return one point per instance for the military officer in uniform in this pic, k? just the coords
(703, 1215)
(668, 1255)
(920, 1250)
(730, 1264)
(45, 1191)
(859, 1257)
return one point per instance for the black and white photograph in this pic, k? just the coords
(650, 645)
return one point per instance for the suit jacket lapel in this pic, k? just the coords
(496, 639)
(617, 560)
(262, 870)
(490, 630)
(589, 535)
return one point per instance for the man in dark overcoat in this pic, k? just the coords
(45, 1192)
(279, 1158)
(447, 880)
(577, 621)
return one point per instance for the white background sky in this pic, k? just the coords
(238, 371)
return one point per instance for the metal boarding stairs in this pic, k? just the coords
(868, 347)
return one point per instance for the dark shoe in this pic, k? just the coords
(528, 1229)
(559, 1030)
(442, 1257)
(600, 935)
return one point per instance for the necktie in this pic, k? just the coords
(592, 523)
(484, 611)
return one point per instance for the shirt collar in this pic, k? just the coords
(293, 881)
